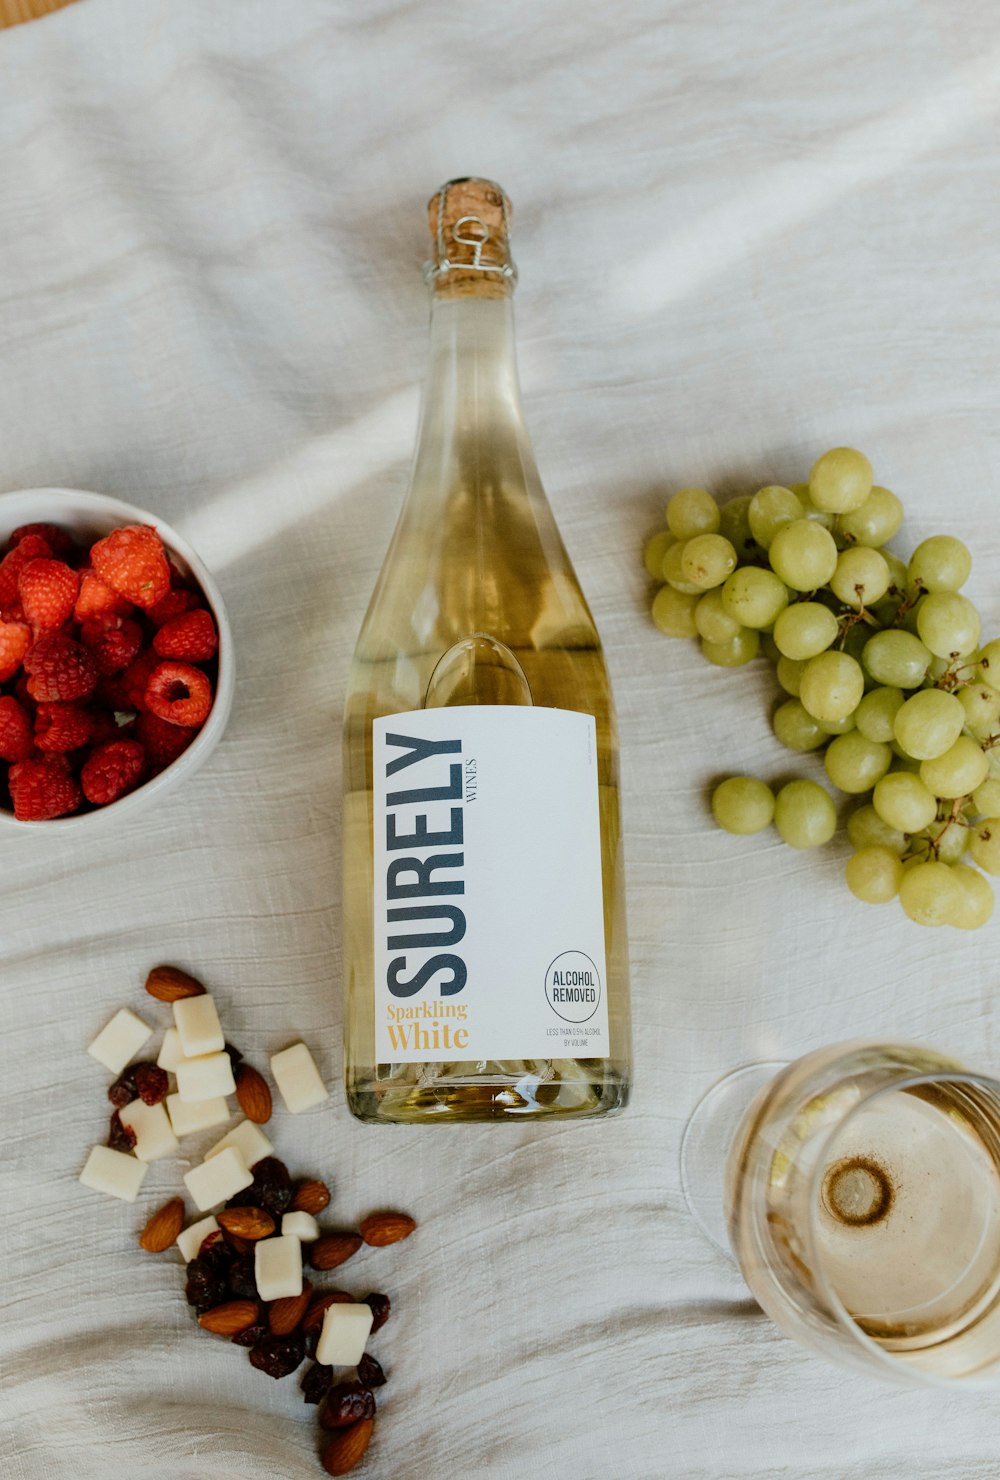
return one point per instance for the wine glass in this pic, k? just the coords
(861, 1198)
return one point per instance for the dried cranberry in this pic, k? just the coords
(252, 1336)
(311, 1339)
(370, 1372)
(151, 1082)
(278, 1355)
(273, 1184)
(124, 1090)
(120, 1137)
(316, 1383)
(218, 1257)
(380, 1307)
(346, 1403)
(235, 1057)
(210, 1240)
(205, 1287)
(242, 1278)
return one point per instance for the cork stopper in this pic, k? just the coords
(469, 221)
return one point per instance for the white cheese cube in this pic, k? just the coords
(205, 1078)
(171, 1052)
(114, 1172)
(298, 1079)
(120, 1040)
(345, 1331)
(190, 1239)
(153, 1135)
(248, 1139)
(198, 1026)
(214, 1181)
(302, 1226)
(197, 1116)
(278, 1267)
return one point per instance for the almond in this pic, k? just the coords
(285, 1314)
(314, 1315)
(333, 1249)
(231, 1318)
(386, 1228)
(248, 1223)
(310, 1197)
(253, 1094)
(170, 984)
(163, 1227)
(344, 1449)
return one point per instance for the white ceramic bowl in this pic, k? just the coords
(90, 516)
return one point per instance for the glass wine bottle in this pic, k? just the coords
(485, 956)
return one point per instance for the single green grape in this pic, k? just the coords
(989, 660)
(832, 685)
(948, 624)
(673, 570)
(854, 764)
(986, 797)
(654, 550)
(976, 903)
(981, 703)
(958, 771)
(930, 894)
(874, 874)
(692, 511)
(804, 814)
(707, 560)
(803, 554)
(673, 612)
(877, 712)
(771, 509)
(929, 723)
(861, 577)
(742, 648)
(789, 674)
(734, 524)
(984, 844)
(795, 728)
(941, 563)
(742, 804)
(865, 829)
(896, 658)
(805, 629)
(754, 597)
(875, 521)
(840, 480)
(903, 802)
(712, 620)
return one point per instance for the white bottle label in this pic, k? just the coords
(489, 915)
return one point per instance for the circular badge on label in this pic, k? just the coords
(573, 987)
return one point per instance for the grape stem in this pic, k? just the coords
(953, 819)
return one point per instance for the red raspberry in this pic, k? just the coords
(162, 741)
(16, 740)
(98, 600)
(48, 591)
(180, 694)
(190, 637)
(133, 562)
(15, 639)
(32, 547)
(111, 770)
(112, 642)
(42, 789)
(61, 727)
(60, 669)
(134, 679)
(58, 541)
(176, 601)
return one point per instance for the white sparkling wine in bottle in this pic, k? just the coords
(485, 957)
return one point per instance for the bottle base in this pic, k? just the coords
(594, 1089)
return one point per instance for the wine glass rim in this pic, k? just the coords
(888, 1360)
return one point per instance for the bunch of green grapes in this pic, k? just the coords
(884, 670)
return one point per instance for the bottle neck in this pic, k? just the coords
(472, 386)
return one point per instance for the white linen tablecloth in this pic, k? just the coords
(746, 232)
